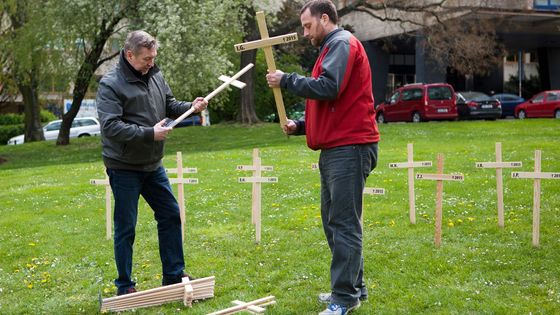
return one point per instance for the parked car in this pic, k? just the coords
(544, 104)
(477, 105)
(419, 102)
(193, 120)
(81, 127)
(508, 101)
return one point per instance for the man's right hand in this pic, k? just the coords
(160, 132)
(290, 127)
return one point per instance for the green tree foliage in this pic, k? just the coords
(196, 43)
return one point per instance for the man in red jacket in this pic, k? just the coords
(339, 121)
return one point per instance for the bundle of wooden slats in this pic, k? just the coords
(186, 291)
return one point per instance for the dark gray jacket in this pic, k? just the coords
(128, 108)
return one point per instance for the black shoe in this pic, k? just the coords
(127, 291)
(177, 279)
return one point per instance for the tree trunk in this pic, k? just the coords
(247, 114)
(88, 67)
(32, 109)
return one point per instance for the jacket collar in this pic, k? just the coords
(132, 74)
(329, 35)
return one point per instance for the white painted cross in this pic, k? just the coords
(537, 175)
(411, 165)
(498, 165)
(266, 43)
(108, 193)
(256, 180)
(180, 181)
(439, 177)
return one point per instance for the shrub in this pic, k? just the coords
(8, 131)
(11, 119)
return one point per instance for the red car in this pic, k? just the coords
(543, 105)
(419, 102)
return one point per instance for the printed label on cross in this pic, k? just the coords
(537, 175)
(411, 165)
(498, 165)
(439, 177)
(256, 180)
(266, 44)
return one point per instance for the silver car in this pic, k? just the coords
(81, 127)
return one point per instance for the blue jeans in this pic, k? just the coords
(154, 186)
(344, 171)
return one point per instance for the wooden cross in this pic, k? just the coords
(186, 291)
(439, 177)
(370, 191)
(227, 82)
(180, 181)
(498, 165)
(266, 43)
(108, 193)
(537, 175)
(257, 168)
(411, 165)
(255, 307)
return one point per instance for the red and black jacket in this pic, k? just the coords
(339, 108)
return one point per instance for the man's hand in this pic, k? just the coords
(160, 132)
(199, 104)
(274, 78)
(290, 127)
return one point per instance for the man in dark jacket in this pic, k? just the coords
(339, 121)
(133, 100)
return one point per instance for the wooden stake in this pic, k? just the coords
(537, 175)
(498, 165)
(266, 43)
(108, 193)
(410, 165)
(439, 178)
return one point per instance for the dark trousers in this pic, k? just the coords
(344, 171)
(154, 186)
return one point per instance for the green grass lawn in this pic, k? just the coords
(54, 258)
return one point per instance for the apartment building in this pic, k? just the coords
(529, 31)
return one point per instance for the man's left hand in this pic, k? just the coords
(199, 104)
(274, 78)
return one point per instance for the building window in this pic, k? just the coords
(547, 4)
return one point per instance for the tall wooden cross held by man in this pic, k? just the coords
(266, 44)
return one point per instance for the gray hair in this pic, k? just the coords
(135, 40)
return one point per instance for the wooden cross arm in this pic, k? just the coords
(535, 175)
(498, 164)
(374, 191)
(411, 164)
(99, 181)
(257, 180)
(254, 168)
(183, 180)
(266, 42)
(455, 177)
